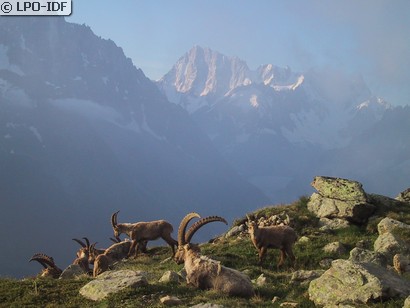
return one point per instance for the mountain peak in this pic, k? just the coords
(203, 71)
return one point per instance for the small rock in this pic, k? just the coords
(170, 300)
(261, 280)
(303, 240)
(289, 304)
(304, 276)
(170, 276)
(335, 247)
(72, 271)
(326, 263)
(235, 231)
(275, 299)
(207, 305)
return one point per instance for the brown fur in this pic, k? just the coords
(114, 253)
(141, 232)
(278, 237)
(205, 273)
(50, 268)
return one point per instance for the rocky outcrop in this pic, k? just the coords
(350, 283)
(339, 189)
(404, 196)
(360, 255)
(113, 282)
(338, 198)
(393, 238)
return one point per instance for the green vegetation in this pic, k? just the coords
(236, 252)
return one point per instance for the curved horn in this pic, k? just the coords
(79, 242)
(183, 225)
(43, 259)
(114, 219)
(87, 241)
(200, 223)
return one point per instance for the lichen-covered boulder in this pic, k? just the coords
(360, 255)
(349, 283)
(113, 282)
(339, 189)
(389, 225)
(394, 237)
(324, 207)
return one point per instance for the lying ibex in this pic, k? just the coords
(203, 272)
(279, 237)
(144, 231)
(115, 252)
(50, 268)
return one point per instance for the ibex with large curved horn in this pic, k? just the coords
(203, 272)
(141, 232)
(50, 268)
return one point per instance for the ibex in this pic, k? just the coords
(115, 252)
(50, 268)
(279, 237)
(87, 249)
(144, 231)
(203, 272)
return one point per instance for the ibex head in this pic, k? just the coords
(252, 225)
(115, 228)
(85, 247)
(184, 237)
(50, 268)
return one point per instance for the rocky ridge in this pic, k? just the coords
(369, 274)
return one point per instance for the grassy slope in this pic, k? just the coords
(236, 253)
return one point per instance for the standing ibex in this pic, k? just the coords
(141, 232)
(279, 237)
(203, 272)
(50, 268)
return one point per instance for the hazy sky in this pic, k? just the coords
(371, 37)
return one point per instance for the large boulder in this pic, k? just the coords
(349, 283)
(393, 238)
(339, 189)
(361, 255)
(113, 282)
(351, 211)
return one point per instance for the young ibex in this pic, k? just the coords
(141, 232)
(203, 272)
(279, 237)
(50, 268)
(115, 252)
